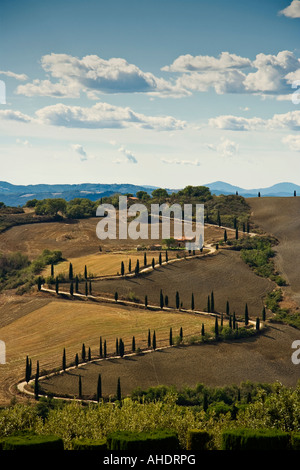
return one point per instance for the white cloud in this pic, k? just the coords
(104, 115)
(80, 151)
(17, 76)
(23, 142)
(292, 11)
(9, 114)
(94, 75)
(130, 158)
(289, 120)
(226, 148)
(180, 162)
(225, 61)
(293, 142)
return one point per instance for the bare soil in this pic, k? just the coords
(266, 358)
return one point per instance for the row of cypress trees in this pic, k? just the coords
(99, 388)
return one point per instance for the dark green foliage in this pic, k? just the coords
(56, 285)
(64, 365)
(27, 370)
(76, 284)
(151, 441)
(145, 259)
(192, 302)
(170, 337)
(100, 348)
(83, 353)
(166, 301)
(181, 334)
(161, 300)
(31, 441)
(146, 301)
(129, 266)
(197, 439)
(263, 314)
(99, 388)
(85, 272)
(79, 386)
(216, 327)
(212, 302)
(227, 308)
(246, 315)
(122, 269)
(71, 288)
(257, 325)
(149, 339)
(105, 349)
(153, 263)
(295, 441)
(116, 296)
(177, 300)
(133, 344)
(208, 304)
(89, 444)
(202, 330)
(90, 287)
(70, 271)
(121, 348)
(76, 360)
(117, 347)
(89, 355)
(154, 340)
(159, 259)
(137, 267)
(119, 392)
(255, 439)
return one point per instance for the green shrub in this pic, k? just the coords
(197, 439)
(144, 441)
(295, 441)
(89, 444)
(255, 439)
(32, 441)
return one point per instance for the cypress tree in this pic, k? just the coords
(137, 267)
(248, 227)
(85, 272)
(219, 219)
(257, 326)
(76, 284)
(258, 194)
(121, 348)
(216, 328)
(181, 334)
(99, 388)
(83, 356)
(149, 339)
(52, 270)
(36, 387)
(221, 319)
(177, 300)
(153, 263)
(39, 283)
(295, 193)
(129, 266)
(70, 271)
(225, 236)
(227, 308)
(192, 302)
(146, 301)
(166, 301)
(119, 393)
(90, 287)
(145, 259)
(202, 330)
(64, 360)
(161, 300)
(154, 340)
(122, 269)
(235, 223)
(27, 370)
(234, 321)
(105, 349)
(246, 315)
(100, 348)
(133, 344)
(71, 288)
(37, 368)
(264, 314)
(236, 233)
(116, 296)
(89, 354)
(117, 346)
(159, 259)
(208, 304)
(230, 321)
(167, 258)
(56, 285)
(171, 337)
(30, 368)
(79, 386)
(86, 289)
(76, 360)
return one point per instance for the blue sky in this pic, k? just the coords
(148, 92)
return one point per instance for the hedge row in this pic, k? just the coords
(163, 441)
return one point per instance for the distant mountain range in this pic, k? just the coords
(18, 195)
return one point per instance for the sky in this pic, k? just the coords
(163, 93)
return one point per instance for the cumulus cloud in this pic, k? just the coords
(17, 76)
(94, 75)
(266, 75)
(104, 115)
(9, 114)
(23, 142)
(226, 148)
(292, 11)
(180, 162)
(293, 142)
(289, 120)
(225, 61)
(129, 157)
(80, 151)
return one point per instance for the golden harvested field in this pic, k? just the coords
(43, 333)
(106, 264)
